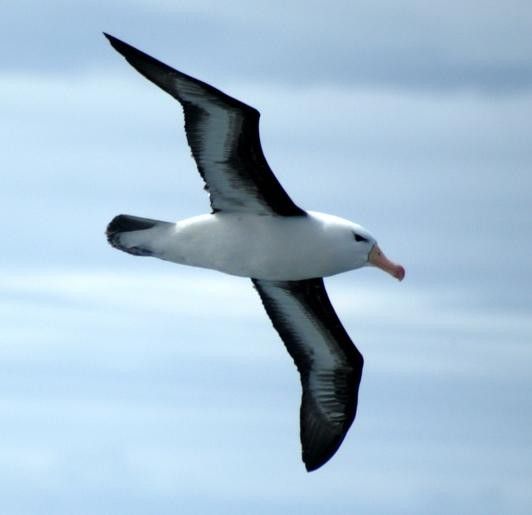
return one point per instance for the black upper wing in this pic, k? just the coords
(223, 134)
(329, 363)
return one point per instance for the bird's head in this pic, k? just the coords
(367, 246)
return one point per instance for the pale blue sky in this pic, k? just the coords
(133, 386)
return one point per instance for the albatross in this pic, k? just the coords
(256, 230)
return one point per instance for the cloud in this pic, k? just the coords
(67, 298)
(134, 386)
(147, 390)
(411, 45)
(441, 180)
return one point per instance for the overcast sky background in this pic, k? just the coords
(134, 386)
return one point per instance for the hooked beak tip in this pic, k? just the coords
(377, 258)
(399, 273)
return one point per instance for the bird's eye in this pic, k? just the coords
(359, 238)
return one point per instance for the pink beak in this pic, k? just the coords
(377, 258)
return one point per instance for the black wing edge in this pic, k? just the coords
(312, 294)
(151, 68)
(161, 75)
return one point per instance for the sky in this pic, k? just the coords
(134, 386)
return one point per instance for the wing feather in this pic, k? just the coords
(223, 134)
(329, 364)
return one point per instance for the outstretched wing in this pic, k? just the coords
(223, 134)
(329, 363)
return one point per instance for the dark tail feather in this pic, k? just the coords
(127, 223)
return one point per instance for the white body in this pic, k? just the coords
(259, 246)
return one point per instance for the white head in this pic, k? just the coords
(371, 254)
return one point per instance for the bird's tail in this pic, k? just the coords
(134, 234)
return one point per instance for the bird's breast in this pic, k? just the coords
(263, 247)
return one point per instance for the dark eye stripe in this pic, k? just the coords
(359, 238)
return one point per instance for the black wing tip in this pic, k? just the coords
(111, 39)
(311, 467)
(320, 443)
(317, 460)
(118, 44)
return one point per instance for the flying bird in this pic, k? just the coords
(256, 230)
